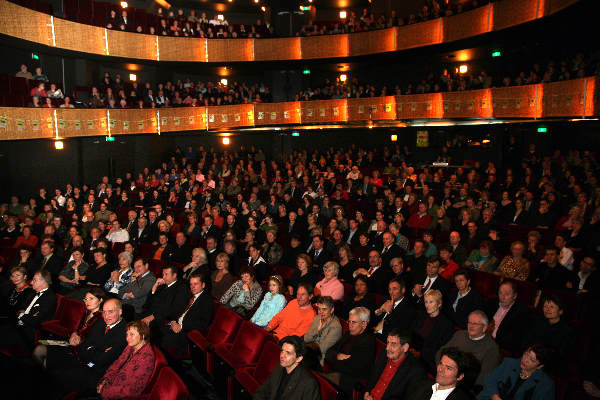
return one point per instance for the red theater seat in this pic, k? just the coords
(66, 320)
(222, 330)
(168, 386)
(252, 377)
(328, 391)
(245, 348)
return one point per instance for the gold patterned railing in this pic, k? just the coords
(575, 98)
(27, 24)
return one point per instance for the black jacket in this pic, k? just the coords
(510, 332)
(167, 303)
(401, 317)
(358, 366)
(408, 375)
(467, 304)
(439, 335)
(300, 386)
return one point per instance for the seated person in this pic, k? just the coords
(97, 274)
(135, 293)
(551, 274)
(474, 340)
(93, 304)
(397, 312)
(507, 317)
(447, 264)
(197, 315)
(452, 368)
(360, 297)
(296, 317)
(323, 333)
(514, 265)
(432, 281)
(164, 249)
(257, 262)
(220, 279)
(378, 274)
(20, 295)
(353, 354)
(463, 300)
(122, 276)
(272, 303)
(482, 258)
(244, 293)
(166, 300)
(588, 279)
(199, 263)
(80, 371)
(40, 308)
(552, 331)
(432, 329)
(289, 378)
(520, 378)
(396, 373)
(129, 375)
(304, 274)
(330, 285)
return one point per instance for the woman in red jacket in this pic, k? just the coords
(129, 375)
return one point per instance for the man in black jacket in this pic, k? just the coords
(396, 372)
(397, 312)
(450, 374)
(353, 354)
(463, 300)
(289, 379)
(41, 308)
(167, 300)
(81, 371)
(508, 318)
(197, 315)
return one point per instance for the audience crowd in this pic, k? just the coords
(347, 250)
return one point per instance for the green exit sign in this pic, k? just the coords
(306, 72)
(304, 8)
(496, 53)
(296, 134)
(542, 129)
(110, 138)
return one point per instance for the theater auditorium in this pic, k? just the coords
(299, 199)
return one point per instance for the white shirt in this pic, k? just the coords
(33, 301)
(440, 394)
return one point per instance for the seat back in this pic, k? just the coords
(248, 342)
(224, 326)
(269, 357)
(59, 299)
(159, 363)
(69, 313)
(379, 345)
(168, 386)
(328, 391)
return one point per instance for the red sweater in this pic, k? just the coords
(129, 374)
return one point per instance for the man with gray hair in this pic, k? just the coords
(353, 355)
(474, 340)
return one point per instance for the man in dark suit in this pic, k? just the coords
(399, 272)
(318, 253)
(299, 383)
(48, 260)
(463, 300)
(167, 300)
(378, 274)
(389, 249)
(209, 229)
(459, 251)
(432, 281)
(450, 374)
(182, 252)
(131, 223)
(41, 308)
(396, 373)
(507, 317)
(197, 315)
(353, 233)
(80, 372)
(397, 312)
(588, 278)
(353, 354)
(212, 251)
(143, 234)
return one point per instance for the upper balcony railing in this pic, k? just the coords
(574, 99)
(27, 24)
